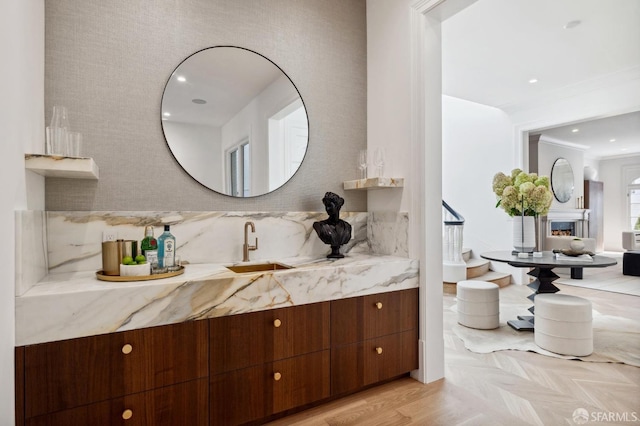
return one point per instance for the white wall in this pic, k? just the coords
(198, 149)
(616, 174)
(389, 98)
(252, 122)
(22, 124)
(476, 144)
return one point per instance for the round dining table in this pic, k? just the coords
(542, 269)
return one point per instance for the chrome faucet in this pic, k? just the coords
(246, 247)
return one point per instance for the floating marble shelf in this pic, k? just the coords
(61, 167)
(374, 183)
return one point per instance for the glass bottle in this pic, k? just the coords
(149, 245)
(166, 248)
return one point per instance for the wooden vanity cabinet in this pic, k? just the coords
(228, 370)
(383, 347)
(268, 362)
(78, 372)
(181, 404)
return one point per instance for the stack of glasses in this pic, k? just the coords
(60, 140)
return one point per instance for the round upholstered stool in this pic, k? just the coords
(478, 304)
(563, 324)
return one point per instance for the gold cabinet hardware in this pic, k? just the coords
(379, 305)
(277, 323)
(277, 376)
(379, 350)
(127, 414)
(126, 349)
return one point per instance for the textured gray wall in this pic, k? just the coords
(108, 62)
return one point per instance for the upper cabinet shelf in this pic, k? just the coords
(374, 183)
(61, 167)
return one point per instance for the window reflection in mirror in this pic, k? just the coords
(234, 121)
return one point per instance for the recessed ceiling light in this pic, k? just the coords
(575, 130)
(623, 149)
(167, 114)
(612, 140)
(199, 101)
(181, 78)
(533, 80)
(572, 24)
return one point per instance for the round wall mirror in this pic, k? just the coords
(562, 180)
(234, 121)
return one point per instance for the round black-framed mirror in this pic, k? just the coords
(562, 180)
(234, 121)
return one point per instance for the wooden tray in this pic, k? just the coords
(117, 278)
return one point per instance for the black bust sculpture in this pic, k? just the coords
(333, 231)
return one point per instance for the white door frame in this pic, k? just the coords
(426, 168)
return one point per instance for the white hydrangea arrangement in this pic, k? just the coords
(522, 193)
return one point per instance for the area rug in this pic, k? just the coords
(615, 339)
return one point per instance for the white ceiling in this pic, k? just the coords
(493, 48)
(226, 78)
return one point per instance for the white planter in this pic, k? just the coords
(577, 245)
(524, 233)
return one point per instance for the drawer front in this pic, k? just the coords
(256, 392)
(389, 356)
(379, 314)
(360, 364)
(76, 372)
(183, 404)
(389, 313)
(240, 341)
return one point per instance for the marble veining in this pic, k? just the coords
(388, 233)
(74, 238)
(30, 249)
(65, 300)
(76, 304)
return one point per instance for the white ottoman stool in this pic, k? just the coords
(563, 324)
(478, 304)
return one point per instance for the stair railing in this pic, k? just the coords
(453, 226)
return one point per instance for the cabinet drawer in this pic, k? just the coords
(380, 315)
(364, 363)
(183, 404)
(240, 341)
(256, 392)
(76, 372)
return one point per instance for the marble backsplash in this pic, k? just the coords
(66, 241)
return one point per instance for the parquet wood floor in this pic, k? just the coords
(501, 388)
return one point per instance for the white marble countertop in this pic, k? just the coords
(77, 304)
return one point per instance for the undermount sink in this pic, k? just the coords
(258, 267)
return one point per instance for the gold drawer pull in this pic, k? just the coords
(126, 349)
(277, 376)
(379, 350)
(379, 305)
(127, 414)
(277, 323)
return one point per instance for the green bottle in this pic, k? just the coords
(149, 245)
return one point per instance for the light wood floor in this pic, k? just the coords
(501, 388)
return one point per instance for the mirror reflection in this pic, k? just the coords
(562, 180)
(234, 121)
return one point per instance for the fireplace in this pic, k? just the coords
(563, 229)
(565, 223)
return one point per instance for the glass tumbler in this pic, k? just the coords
(74, 143)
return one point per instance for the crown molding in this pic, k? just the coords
(553, 141)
